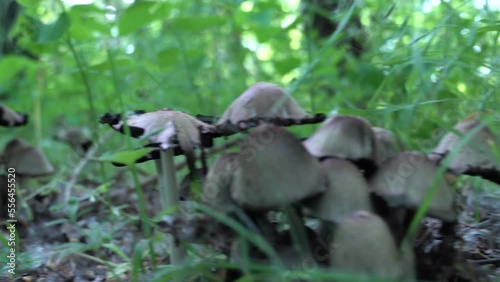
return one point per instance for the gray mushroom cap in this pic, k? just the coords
(474, 158)
(347, 191)
(261, 100)
(387, 145)
(276, 170)
(404, 180)
(363, 244)
(216, 188)
(347, 137)
(25, 159)
(73, 136)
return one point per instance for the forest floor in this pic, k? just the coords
(92, 246)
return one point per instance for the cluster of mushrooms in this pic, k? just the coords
(343, 198)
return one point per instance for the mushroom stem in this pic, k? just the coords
(170, 198)
(161, 184)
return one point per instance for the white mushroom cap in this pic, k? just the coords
(261, 100)
(347, 192)
(404, 180)
(156, 125)
(363, 244)
(276, 170)
(474, 158)
(25, 159)
(347, 137)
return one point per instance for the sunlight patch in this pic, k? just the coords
(265, 52)
(246, 6)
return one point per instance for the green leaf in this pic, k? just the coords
(492, 27)
(52, 32)
(125, 157)
(28, 3)
(284, 66)
(10, 66)
(169, 56)
(103, 188)
(197, 24)
(105, 66)
(117, 251)
(87, 21)
(139, 14)
(138, 258)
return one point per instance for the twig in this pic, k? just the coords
(79, 167)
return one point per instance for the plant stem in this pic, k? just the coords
(144, 214)
(86, 83)
(140, 195)
(171, 199)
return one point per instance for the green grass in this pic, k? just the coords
(419, 71)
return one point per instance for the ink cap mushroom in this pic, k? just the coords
(476, 157)
(404, 181)
(387, 144)
(166, 129)
(189, 132)
(263, 102)
(347, 191)
(275, 170)
(363, 244)
(347, 137)
(28, 161)
(217, 184)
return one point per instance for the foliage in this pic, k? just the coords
(425, 64)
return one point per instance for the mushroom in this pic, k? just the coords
(77, 138)
(405, 179)
(185, 134)
(28, 161)
(165, 128)
(476, 157)
(386, 144)
(402, 183)
(267, 102)
(276, 170)
(217, 185)
(347, 137)
(11, 118)
(347, 192)
(363, 244)
(190, 132)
